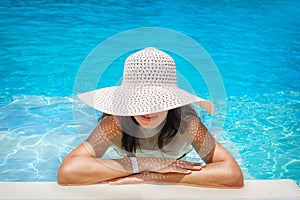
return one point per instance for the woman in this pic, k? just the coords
(151, 123)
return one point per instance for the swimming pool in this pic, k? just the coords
(255, 45)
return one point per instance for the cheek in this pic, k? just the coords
(163, 116)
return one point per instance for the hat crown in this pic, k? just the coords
(149, 86)
(149, 66)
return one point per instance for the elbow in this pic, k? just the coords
(73, 172)
(63, 176)
(237, 182)
(235, 179)
(66, 174)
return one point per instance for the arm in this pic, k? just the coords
(221, 171)
(82, 166)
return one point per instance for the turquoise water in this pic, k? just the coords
(255, 45)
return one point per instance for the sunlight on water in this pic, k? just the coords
(255, 45)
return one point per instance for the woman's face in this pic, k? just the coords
(151, 120)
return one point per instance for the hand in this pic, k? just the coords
(167, 165)
(180, 166)
(146, 177)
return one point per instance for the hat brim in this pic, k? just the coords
(140, 100)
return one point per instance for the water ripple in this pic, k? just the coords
(266, 128)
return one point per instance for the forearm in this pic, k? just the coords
(213, 175)
(88, 170)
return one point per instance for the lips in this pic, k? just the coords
(148, 118)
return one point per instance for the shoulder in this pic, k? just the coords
(194, 127)
(109, 127)
(193, 122)
(200, 137)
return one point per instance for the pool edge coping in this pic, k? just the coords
(253, 189)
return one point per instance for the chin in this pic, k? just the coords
(149, 126)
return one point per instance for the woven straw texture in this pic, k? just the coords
(149, 85)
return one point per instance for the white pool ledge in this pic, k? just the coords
(254, 189)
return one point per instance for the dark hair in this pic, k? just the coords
(174, 124)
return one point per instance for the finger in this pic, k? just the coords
(128, 180)
(189, 165)
(193, 163)
(182, 171)
(197, 164)
(198, 167)
(187, 169)
(118, 181)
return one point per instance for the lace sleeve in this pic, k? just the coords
(104, 135)
(201, 139)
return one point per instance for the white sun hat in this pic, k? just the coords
(149, 85)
